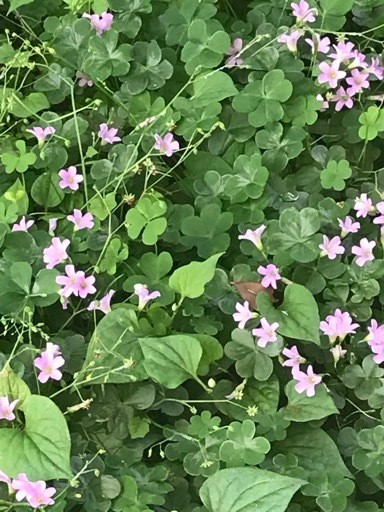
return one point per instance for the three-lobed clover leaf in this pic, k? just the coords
(335, 174)
(262, 99)
(18, 161)
(147, 217)
(115, 253)
(369, 457)
(372, 122)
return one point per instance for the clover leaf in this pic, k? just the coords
(262, 99)
(115, 253)
(335, 174)
(369, 455)
(372, 122)
(19, 161)
(242, 447)
(147, 217)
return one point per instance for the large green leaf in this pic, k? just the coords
(303, 408)
(114, 353)
(15, 4)
(171, 360)
(314, 449)
(298, 315)
(42, 449)
(191, 279)
(248, 490)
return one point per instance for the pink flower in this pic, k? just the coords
(363, 206)
(266, 333)
(343, 99)
(23, 225)
(364, 251)
(41, 133)
(306, 382)
(375, 69)
(22, 485)
(234, 59)
(380, 218)
(100, 23)
(5, 478)
(344, 52)
(70, 178)
(49, 363)
(166, 144)
(83, 79)
(104, 304)
(271, 274)
(76, 283)
(338, 325)
(7, 408)
(290, 39)
(358, 60)
(303, 13)
(358, 81)
(325, 104)
(330, 74)
(85, 285)
(254, 236)
(331, 247)
(338, 352)
(144, 294)
(348, 226)
(107, 135)
(294, 358)
(53, 349)
(375, 340)
(52, 223)
(243, 314)
(318, 44)
(56, 253)
(81, 221)
(36, 493)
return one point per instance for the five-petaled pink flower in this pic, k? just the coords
(342, 98)
(319, 44)
(36, 493)
(81, 221)
(7, 408)
(290, 39)
(357, 82)
(144, 294)
(303, 12)
(271, 275)
(76, 283)
(266, 333)
(330, 74)
(294, 358)
(70, 178)
(56, 253)
(83, 79)
(108, 135)
(364, 251)
(375, 68)
(100, 23)
(166, 144)
(363, 206)
(380, 218)
(348, 226)
(104, 304)
(331, 247)
(41, 133)
(338, 325)
(375, 340)
(254, 236)
(306, 382)
(23, 225)
(48, 363)
(243, 314)
(344, 52)
(234, 59)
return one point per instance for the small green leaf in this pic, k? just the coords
(335, 174)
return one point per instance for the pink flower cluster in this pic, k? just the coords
(36, 493)
(75, 283)
(49, 362)
(375, 340)
(338, 325)
(346, 61)
(305, 381)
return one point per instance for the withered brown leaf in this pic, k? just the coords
(250, 289)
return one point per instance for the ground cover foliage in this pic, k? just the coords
(191, 269)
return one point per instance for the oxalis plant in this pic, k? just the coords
(191, 270)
